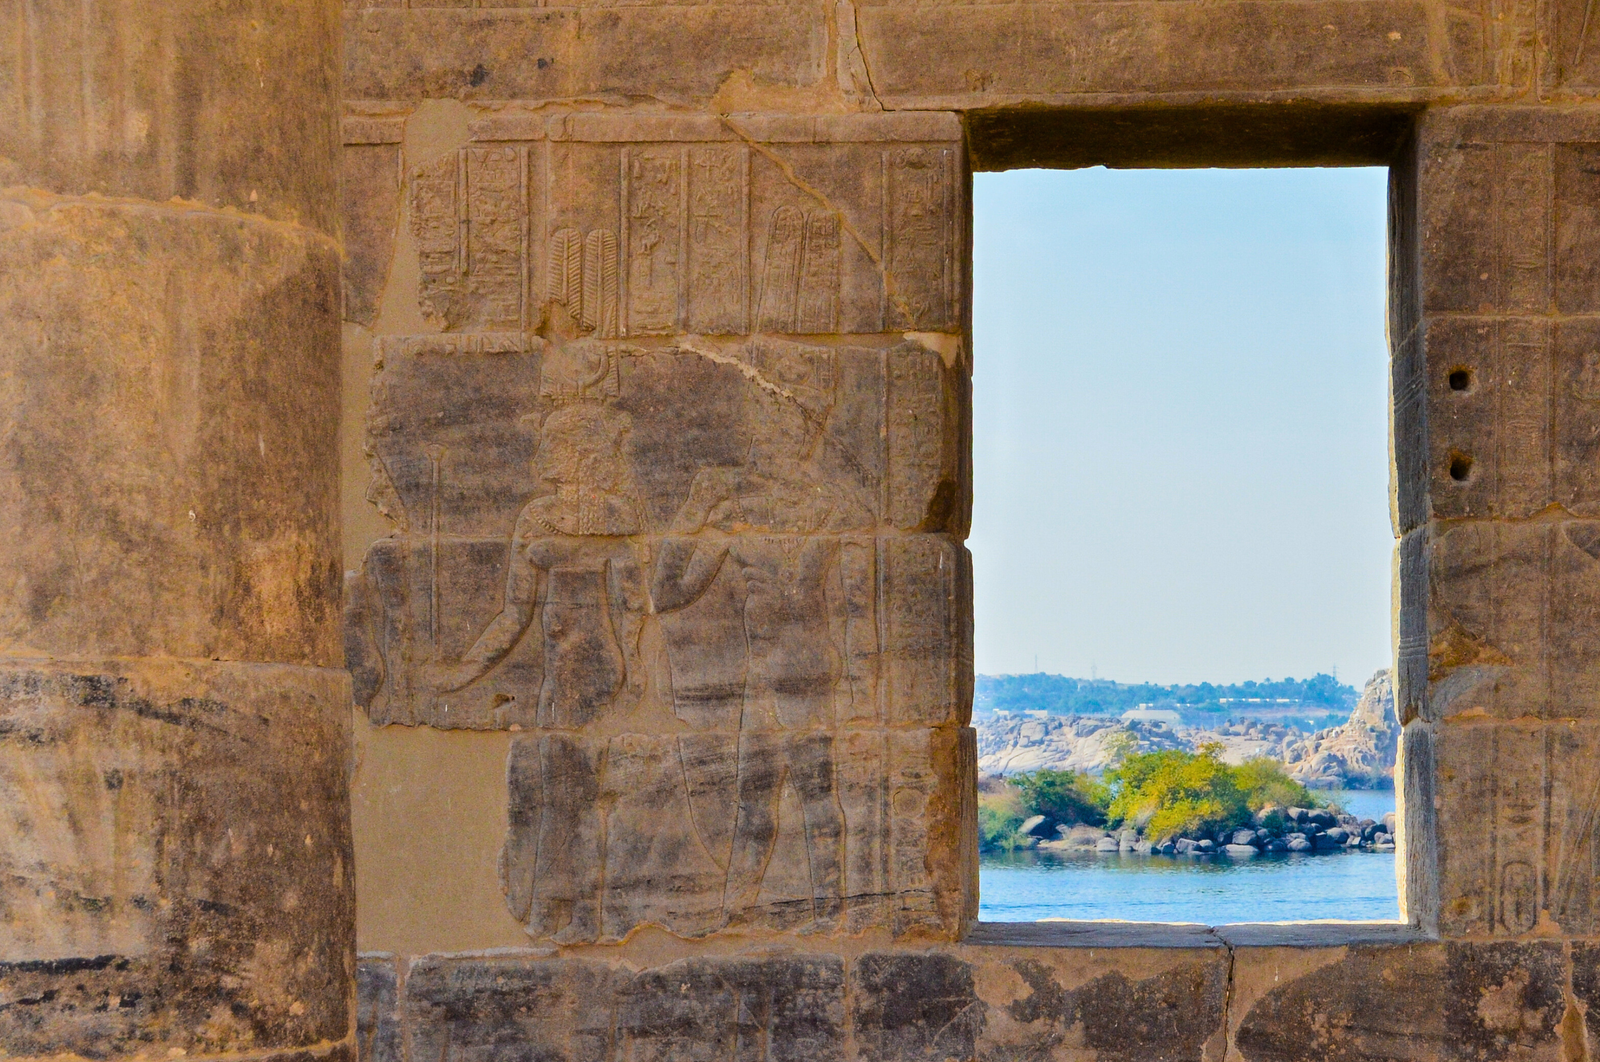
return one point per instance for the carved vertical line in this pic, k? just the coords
(624, 251)
(684, 250)
(527, 235)
(28, 61)
(1492, 875)
(435, 457)
(747, 260)
(86, 78)
(949, 229)
(1547, 791)
(885, 243)
(463, 246)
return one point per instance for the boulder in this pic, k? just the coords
(1143, 847)
(1298, 844)
(1183, 846)
(1167, 848)
(1338, 835)
(1031, 825)
(1322, 817)
(1107, 844)
(1325, 842)
(1274, 845)
(1244, 837)
(1205, 846)
(1388, 824)
(1080, 838)
(1240, 851)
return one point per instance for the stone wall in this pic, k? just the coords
(654, 453)
(656, 439)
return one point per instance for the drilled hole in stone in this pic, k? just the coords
(1461, 379)
(1460, 467)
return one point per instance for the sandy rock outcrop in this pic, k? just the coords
(1360, 753)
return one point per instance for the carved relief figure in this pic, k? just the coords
(774, 625)
(587, 599)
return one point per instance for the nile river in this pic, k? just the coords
(1028, 886)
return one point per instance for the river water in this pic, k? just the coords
(1356, 885)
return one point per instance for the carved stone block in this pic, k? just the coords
(371, 190)
(614, 225)
(1518, 805)
(528, 52)
(802, 830)
(175, 839)
(1119, 1003)
(788, 1009)
(708, 533)
(1513, 416)
(948, 56)
(1510, 610)
(378, 1034)
(914, 1007)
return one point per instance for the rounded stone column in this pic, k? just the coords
(175, 871)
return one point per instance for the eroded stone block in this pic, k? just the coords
(378, 1035)
(914, 1007)
(1119, 1003)
(787, 830)
(1345, 1004)
(176, 845)
(234, 107)
(1510, 609)
(371, 189)
(616, 225)
(528, 52)
(169, 484)
(698, 531)
(787, 1009)
(1516, 827)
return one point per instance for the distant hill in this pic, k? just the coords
(1059, 695)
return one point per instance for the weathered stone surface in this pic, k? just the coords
(371, 210)
(786, 1009)
(634, 557)
(175, 846)
(972, 56)
(1516, 835)
(1505, 610)
(233, 106)
(378, 1032)
(168, 484)
(798, 829)
(1122, 1003)
(577, 52)
(616, 225)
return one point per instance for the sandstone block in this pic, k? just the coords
(242, 114)
(529, 52)
(371, 165)
(169, 482)
(970, 56)
(907, 1007)
(1506, 612)
(630, 225)
(641, 507)
(378, 1032)
(1516, 824)
(176, 846)
(693, 833)
(788, 1009)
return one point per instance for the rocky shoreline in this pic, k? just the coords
(1275, 831)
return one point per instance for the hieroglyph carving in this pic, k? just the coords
(615, 226)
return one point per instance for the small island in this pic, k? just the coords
(1174, 803)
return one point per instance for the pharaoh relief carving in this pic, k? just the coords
(704, 570)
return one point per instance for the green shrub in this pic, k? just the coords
(999, 815)
(1177, 794)
(1266, 782)
(1066, 798)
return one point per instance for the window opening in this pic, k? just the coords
(1180, 500)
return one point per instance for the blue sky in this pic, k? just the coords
(1180, 423)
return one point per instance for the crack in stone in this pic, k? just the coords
(803, 185)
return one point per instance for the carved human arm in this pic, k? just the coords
(684, 572)
(504, 631)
